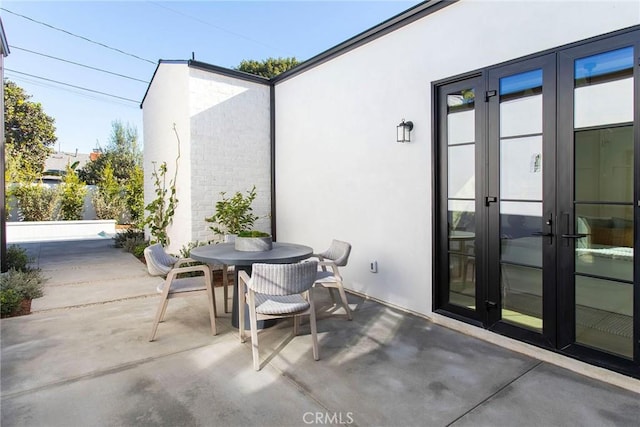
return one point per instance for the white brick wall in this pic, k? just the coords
(226, 145)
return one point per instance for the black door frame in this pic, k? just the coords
(441, 293)
(561, 320)
(494, 322)
(565, 132)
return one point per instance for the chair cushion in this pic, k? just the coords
(325, 277)
(188, 284)
(287, 304)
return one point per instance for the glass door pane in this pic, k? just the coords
(603, 200)
(521, 197)
(461, 194)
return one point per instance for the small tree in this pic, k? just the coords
(134, 193)
(268, 68)
(234, 214)
(122, 153)
(72, 196)
(108, 199)
(36, 202)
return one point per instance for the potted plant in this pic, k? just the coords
(20, 284)
(253, 241)
(234, 219)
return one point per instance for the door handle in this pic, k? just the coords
(540, 233)
(574, 236)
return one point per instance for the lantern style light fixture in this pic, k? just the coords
(404, 131)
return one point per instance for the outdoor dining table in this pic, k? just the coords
(226, 253)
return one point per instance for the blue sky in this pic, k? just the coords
(218, 32)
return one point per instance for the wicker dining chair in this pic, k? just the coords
(275, 291)
(328, 275)
(159, 263)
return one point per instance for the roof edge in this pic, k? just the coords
(3, 40)
(392, 24)
(207, 67)
(229, 72)
(160, 61)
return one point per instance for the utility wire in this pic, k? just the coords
(213, 25)
(73, 86)
(78, 64)
(76, 35)
(75, 92)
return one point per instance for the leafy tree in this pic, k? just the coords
(122, 153)
(119, 166)
(29, 132)
(108, 199)
(72, 196)
(268, 68)
(134, 193)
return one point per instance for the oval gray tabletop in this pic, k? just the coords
(225, 253)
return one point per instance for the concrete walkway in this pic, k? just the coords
(82, 359)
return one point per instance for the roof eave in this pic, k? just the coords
(392, 24)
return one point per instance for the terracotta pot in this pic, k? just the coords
(23, 309)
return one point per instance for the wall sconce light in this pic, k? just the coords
(404, 131)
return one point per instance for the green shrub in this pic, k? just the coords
(132, 233)
(36, 202)
(185, 251)
(134, 191)
(9, 301)
(72, 196)
(138, 251)
(253, 233)
(109, 199)
(16, 286)
(17, 258)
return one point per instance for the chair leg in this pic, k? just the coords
(314, 330)
(345, 303)
(225, 286)
(164, 310)
(212, 307)
(254, 331)
(241, 305)
(296, 324)
(333, 296)
(159, 315)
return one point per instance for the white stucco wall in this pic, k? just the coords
(230, 139)
(340, 173)
(166, 103)
(224, 129)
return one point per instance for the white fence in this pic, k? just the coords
(38, 231)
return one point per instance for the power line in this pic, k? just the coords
(73, 86)
(76, 92)
(76, 35)
(214, 26)
(78, 64)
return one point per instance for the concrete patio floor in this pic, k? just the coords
(83, 359)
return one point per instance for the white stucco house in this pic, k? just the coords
(513, 212)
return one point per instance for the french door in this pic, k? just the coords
(538, 200)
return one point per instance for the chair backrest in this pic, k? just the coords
(338, 252)
(159, 263)
(283, 279)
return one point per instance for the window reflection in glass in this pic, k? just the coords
(604, 164)
(607, 249)
(604, 315)
(604, 67)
